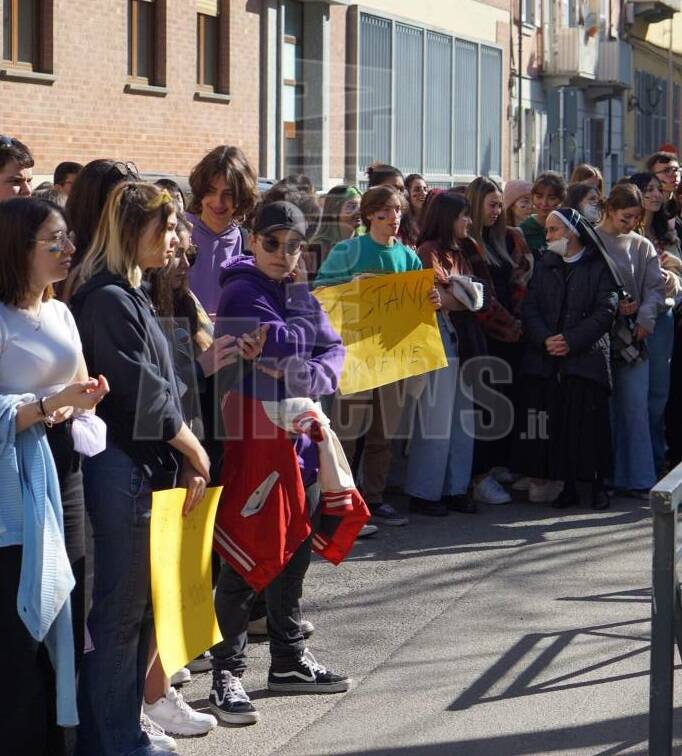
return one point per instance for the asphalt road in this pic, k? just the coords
(513, 631)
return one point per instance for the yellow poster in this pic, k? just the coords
(182, 593)
(388, 326)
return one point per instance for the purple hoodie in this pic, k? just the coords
(213, 250)
(300, 341)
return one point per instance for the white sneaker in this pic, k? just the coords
(368, 530)
(545, 491)
(203, 663)
(157, 736)
(522, 485)
(502, 475)
(177, 717)
(489, 491)
(182, 676)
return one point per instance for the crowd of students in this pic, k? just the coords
(150, 340)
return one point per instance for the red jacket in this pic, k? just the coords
(263, 518)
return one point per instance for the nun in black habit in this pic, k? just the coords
(563, 430)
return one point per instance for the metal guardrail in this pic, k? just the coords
(666, 611)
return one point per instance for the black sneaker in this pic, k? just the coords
(600, 500)
(386, 514)
(229, 701)
(566, 499)
(461, 503)
(428, 507)
(307, 676)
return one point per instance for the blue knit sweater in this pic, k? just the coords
(31, 516)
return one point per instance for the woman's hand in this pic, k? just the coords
(434, 298)
(222, 352)
(195, 483)
(628, 307)
(557, 346)
(640, 333)
(85, 395)
(670, 262)
(61, 415)
(251, 344)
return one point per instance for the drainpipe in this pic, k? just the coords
(562, 131)
(519, 67)
(670, 126)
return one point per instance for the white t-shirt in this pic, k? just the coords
(38, 355)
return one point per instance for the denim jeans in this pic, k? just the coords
(118, 500)
(235, 598)
(441, 449)
(633, 456)
(660, 345)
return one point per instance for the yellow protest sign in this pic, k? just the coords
(388, 327)
(182, 593)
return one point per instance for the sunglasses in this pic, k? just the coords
(5, 142)
(670, 171)
(271, 245)
(127, 170)
(59, 242)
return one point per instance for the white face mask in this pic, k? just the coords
(591, 212)
(558, 246)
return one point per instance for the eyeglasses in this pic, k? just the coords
(271, 245)
(6, 142)
(670, 171)
(59, 241)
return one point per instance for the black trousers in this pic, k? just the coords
(28, 712)
(673, 411)
(235, 600)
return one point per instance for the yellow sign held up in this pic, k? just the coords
(182, 592)
(388, 327)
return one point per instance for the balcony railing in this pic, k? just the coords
(571, 56)
(614, 66)
(656, 10)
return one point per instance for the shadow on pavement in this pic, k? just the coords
(612, 736)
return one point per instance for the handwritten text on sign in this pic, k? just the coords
(182, 593)
(388, 327)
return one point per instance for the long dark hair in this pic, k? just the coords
(439, 217)
(659, 222)
(174, 304)
(377, 173)
(20, 220)
(494, 237)
(576, 193)
(88, 196)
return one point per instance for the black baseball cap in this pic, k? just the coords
(280, 216)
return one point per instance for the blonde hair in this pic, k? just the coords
(130, 208)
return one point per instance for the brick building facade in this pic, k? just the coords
(84, 104)
(271, 76)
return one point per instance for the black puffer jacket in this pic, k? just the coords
(578, 300)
